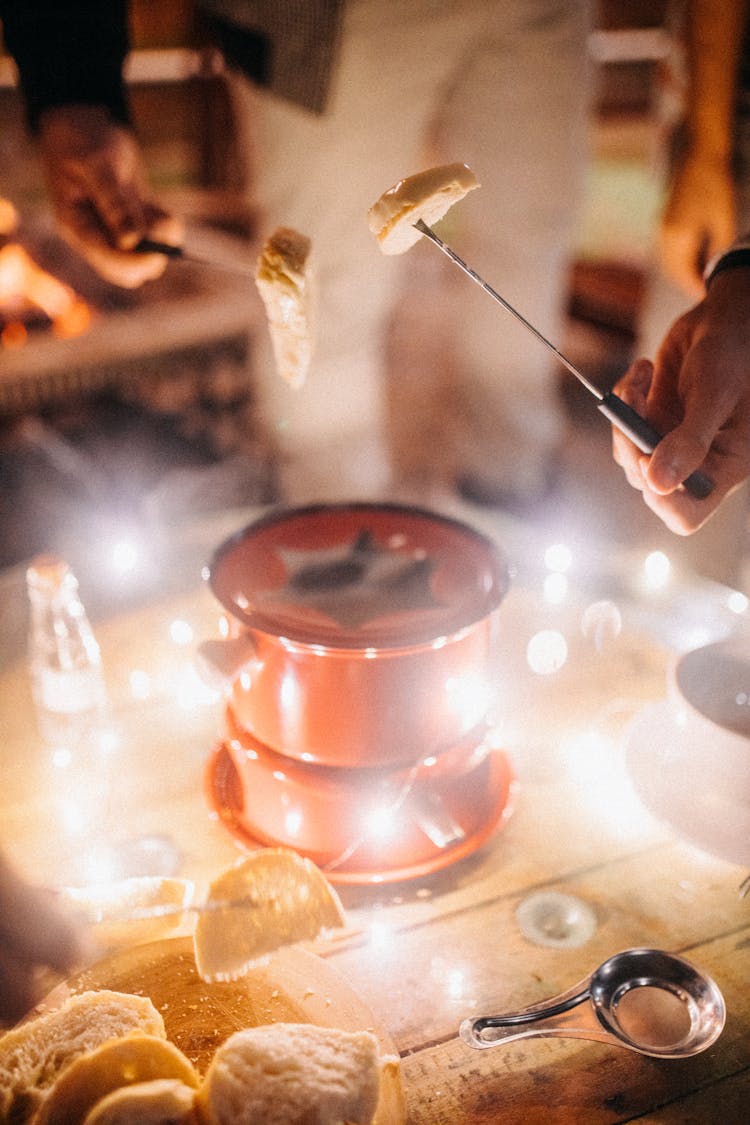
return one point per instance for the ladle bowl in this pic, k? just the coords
(647, 1000)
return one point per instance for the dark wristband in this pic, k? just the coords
(733, 259)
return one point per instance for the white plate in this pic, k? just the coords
(680, 780)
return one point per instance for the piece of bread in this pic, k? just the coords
(284, 282)
(292, 1074)
(163, 1101)
(271, 898)
(34, 1054)
(426, 195)
(133, 1059)
(132, 911)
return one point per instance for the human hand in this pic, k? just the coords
(34, 934)
(98, 192)
(697, 393)
(699, 220)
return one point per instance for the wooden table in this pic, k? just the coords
(434, 950)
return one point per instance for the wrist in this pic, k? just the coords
(737, 256)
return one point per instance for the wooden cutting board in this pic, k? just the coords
(294, 986)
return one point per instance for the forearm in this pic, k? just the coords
(69, 53)
(715, 31)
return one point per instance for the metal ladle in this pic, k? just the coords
(643, 999)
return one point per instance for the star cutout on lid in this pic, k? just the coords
(356, 582)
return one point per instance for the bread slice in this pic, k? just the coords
(132, 911)
(163, 1101)
(34, 1054)
(292, 1074)
(284, 282)
(271, 898)
(426, 195)
(133, 1059)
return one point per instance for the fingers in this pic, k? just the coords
(127, 270)
(161, 226)
(659, 476)
(633, 389)
(17, 992)
(97, 187)
(115, 197)
(682, 513)
(34, 929)
(81, 227)
(676, 456)
(34, 934)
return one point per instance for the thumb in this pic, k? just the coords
(704, 408)
(676, 456)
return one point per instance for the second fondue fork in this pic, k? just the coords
(623, 416)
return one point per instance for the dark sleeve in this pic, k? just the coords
(68, 51)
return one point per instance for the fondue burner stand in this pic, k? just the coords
(357, 658)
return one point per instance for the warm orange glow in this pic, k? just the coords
(74, 321)
(8, 216)
(23, 283)
(14, 335)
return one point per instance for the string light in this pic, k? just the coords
(558, 557)
(381, 822)
(737, 602)
(181, 632)
(140, 684)
(555, 587)
(656, 570)
(546, 652)
(125, 557)
(601, 623)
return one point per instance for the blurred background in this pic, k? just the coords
(118, 406)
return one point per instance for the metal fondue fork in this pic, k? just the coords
(150, 246)
(632, 424)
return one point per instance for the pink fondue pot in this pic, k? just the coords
(359, 639)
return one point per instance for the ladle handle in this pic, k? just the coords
(570, 1014)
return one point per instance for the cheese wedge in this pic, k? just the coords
(427, 195)
(284, 281)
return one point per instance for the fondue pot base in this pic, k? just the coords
(331, 815)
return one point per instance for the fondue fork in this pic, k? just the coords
(623, 416)
(96, 916)
(150, 246)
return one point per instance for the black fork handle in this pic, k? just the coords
(643, 434)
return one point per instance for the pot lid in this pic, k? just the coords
(358, 575)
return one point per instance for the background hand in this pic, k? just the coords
(98, 193)
(34, 934)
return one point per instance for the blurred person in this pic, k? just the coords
(339, 101)
(502, 86)
(35, 935)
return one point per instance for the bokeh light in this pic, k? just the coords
(546, 652)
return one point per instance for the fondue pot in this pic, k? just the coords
(358, 644)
